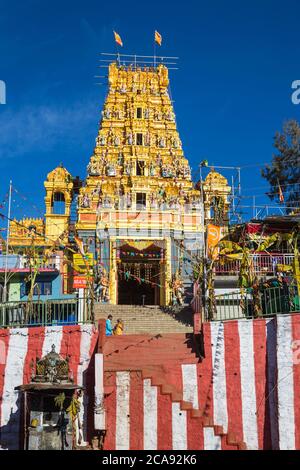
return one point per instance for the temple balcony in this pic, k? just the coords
(22, 263)
(263, 264)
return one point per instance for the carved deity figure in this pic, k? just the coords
(147, 139)
(177, 290)
(128, 200)
(130, 138)
(86, 201)
(127, 169)
(102, 288)
(100, 140)
(110, 170)
(120, 158)
(162, 142)
(107, 113)
(152, 169)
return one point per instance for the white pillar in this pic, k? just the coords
(99, 412)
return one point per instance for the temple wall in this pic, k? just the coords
(248, 383)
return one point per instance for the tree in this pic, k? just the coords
(284, 172)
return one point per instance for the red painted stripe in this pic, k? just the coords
(195, 437)
(233, 379)
(164, 421)
(204, 369)
(34, 351)
(110, 404)
(136, 404)
(261, 384)
(69, 346)
(4, 341)
(296, 368)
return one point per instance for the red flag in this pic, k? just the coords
(280, 194)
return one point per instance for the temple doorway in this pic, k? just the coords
(139, 275)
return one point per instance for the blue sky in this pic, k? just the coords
(232, 90)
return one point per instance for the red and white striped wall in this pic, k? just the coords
(19, 347)
(248, 383)
(139, 417)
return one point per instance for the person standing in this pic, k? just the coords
(119, 327)
(108, 327)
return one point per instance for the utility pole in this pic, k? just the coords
(4, 298)
(204, 286)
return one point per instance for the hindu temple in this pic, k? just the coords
(138, 211)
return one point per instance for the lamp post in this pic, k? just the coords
(4, 293)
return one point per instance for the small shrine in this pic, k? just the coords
(51, 406)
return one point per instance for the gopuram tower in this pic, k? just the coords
(139, 213)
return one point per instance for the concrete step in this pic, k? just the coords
(148, 319)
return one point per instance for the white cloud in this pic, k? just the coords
(43, 128)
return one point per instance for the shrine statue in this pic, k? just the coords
(128, 200)
(93, 167)
(146, 113)
(120, 158)
(162, 142)
(111, 170)
(177, 290)
(152, 170)
(117, 140)
(130, 138)
(127, 169)
(86, 201)
(107, 113)
(175, 143)
(153, 201)
(102, 288)
(100, 140)
(147, 139)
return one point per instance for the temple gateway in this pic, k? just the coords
(138, 211)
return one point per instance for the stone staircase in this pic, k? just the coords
(148, 319)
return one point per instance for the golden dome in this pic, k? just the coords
(59, 174)
(214, 178)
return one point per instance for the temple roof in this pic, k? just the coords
(59, 174)
(215, 178)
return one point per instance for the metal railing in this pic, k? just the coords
(262, 264)
(46, 313)
(266, 303)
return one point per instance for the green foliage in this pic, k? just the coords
(285, 166)
(59, 401)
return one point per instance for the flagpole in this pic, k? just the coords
(4, 295)
(117, 50)
(154, 50)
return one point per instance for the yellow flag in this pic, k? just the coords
(118, 39)
(158, 38)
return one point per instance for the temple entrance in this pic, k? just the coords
(139, 275)
(132, 291)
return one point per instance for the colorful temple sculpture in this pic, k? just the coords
(216, 199)
(138, 210)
